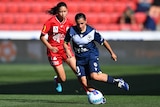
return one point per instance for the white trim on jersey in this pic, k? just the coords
(84, 39)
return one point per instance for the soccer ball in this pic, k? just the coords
(96, 97)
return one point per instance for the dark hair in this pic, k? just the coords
(80, 15)
(54, 9)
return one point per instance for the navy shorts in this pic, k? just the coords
(87, 66)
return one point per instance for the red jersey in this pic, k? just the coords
(56, 31)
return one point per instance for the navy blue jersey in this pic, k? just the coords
(83, 43)
(86, 52)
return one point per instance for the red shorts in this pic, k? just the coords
(57, 58)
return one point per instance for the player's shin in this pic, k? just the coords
(85, 85)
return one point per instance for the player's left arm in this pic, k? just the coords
(108, 47)
(65, 45)
(104, 42)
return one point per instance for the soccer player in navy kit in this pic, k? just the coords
(87, 55)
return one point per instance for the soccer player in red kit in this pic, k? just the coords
(56, 28)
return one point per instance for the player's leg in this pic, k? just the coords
(109, 79)
(84, 82)
(82, 77)
(61, 77)
(96, 74)
(72, 63)
(99, 76)
(95, 71)
(56, 63)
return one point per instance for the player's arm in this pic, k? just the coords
(47, 44)
(101, 41)
(66, 42)
(44, 31)
(108, 47)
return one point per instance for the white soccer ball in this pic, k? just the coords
(95, 97)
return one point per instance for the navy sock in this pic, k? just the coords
(110, 80)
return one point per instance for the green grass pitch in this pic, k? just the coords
(31, 85)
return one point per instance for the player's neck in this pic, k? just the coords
(83, 30)
(60, 19)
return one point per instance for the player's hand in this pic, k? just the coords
(54, 49)
(114, 57)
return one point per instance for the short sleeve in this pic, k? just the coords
(67, 37)
(46, 28)
(98, 38)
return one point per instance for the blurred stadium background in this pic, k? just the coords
(21, 22)
(30, 14)
(24, 68)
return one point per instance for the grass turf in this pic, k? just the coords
(76, 101)
(26, 85)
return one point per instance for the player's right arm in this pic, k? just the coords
(44, 40)
(47, 44)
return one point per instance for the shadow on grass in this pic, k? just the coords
(139, 85)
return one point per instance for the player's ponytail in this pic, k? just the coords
(55, 9)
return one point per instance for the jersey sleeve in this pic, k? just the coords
(46, 28)
(67, 37)
(98, 38)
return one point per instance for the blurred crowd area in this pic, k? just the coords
(129, 52)
(104, 15)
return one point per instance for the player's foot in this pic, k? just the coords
(57, 85)
(122, 84)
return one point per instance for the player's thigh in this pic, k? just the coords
(56, 62)
(81, 71)
(72, 63)
(94, 66)
(99, 76)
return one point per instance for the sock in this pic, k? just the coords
(110, 80)
(56, 79)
